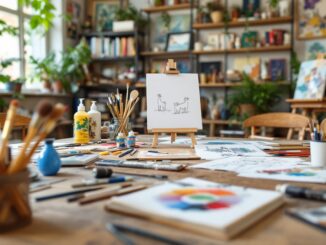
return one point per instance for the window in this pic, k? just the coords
(27, 43)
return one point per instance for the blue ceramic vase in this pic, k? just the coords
(49, 161)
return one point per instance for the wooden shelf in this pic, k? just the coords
(111, 34)
(35, 94)
(234, 24)
(224, 85)
(167, 8)
(221, 122)
(165, 54)
(245, 50)
(118, 58)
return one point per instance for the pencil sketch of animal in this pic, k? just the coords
(182, 107)
(161, 105)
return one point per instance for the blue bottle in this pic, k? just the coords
(49, 161)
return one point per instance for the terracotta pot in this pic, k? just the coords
(57, 87)
(247, 110)
(46, 85)
(217, 16)
(18, 88)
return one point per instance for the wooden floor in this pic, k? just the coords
(59, 222)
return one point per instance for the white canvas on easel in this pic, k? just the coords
(173, 101)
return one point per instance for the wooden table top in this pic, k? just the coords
(58, 222)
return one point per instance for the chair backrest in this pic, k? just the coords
(323, 126)
(19, 122)
(278, 120)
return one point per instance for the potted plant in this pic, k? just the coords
(42, 70)
(252, 98)
(216, 10)
(127, 18)
(70, 70)
(11, 84)
(273, 8)
(158, 3)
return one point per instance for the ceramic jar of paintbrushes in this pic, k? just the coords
(49, 162)
(14, 179)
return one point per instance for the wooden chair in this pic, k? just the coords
(21, 122)
(323, 126)
(277, 120)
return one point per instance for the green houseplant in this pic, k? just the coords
(216, 10)
(126, 18)
(43, 69)
(251, 98)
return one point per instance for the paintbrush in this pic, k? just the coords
(46, 128)
(43, 110)
(6, 133)
(122, 125)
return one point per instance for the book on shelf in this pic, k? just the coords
(211, 209)
(112, 47)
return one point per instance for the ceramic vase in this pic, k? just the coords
(217, 16)
(49, 162)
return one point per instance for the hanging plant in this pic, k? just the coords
(166, 18)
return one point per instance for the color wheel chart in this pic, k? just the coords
(199, 199)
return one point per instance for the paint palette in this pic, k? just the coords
(199, 199)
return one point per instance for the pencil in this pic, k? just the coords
(64, 194)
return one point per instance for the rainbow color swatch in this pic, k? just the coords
(199, 199)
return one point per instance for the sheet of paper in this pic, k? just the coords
(212, 152)
(252, 164)
(298, 174)
(173, 101)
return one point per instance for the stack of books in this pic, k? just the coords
(112, 47)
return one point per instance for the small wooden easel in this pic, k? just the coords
(171, 69)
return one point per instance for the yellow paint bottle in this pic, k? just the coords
(81, 125)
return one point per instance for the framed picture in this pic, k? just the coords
(249, 7)
(311, 19)
(103, 14)
(160, 29)
(211, 67)
(178, 41)
(277, 69)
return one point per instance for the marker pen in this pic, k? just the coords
(300, 192)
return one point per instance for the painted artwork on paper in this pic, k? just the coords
(199, 199)
(311, 80)
(311, 19)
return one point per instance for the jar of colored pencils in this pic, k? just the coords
(15, 211)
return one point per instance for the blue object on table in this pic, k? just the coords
(49, 161)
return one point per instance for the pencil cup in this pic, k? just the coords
(318, 153)
(15, 211)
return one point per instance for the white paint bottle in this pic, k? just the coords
(94, 123)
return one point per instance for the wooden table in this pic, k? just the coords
(59, 222)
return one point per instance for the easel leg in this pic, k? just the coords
(173, 137)
(155, 140)
(290, 132)
(193, 140)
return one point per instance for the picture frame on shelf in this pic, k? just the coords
(310, 19)
(178, 41)
(177, 23)
(103, 14)
(277, 69)
(211, 70)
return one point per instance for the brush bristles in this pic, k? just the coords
(44, 108)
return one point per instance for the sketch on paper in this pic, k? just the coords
(161, 105)
(183, 107)
(173, 101)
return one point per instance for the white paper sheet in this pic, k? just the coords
(252, 164)
(173, 101)
(212, 152)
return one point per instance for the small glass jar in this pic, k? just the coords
(114, 126)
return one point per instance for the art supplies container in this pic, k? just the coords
(81, 125)
(121, 140)
(94, 123)
(131, 140)
(49, 162)
(15, 211)
(318, 153)
(114, 126)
